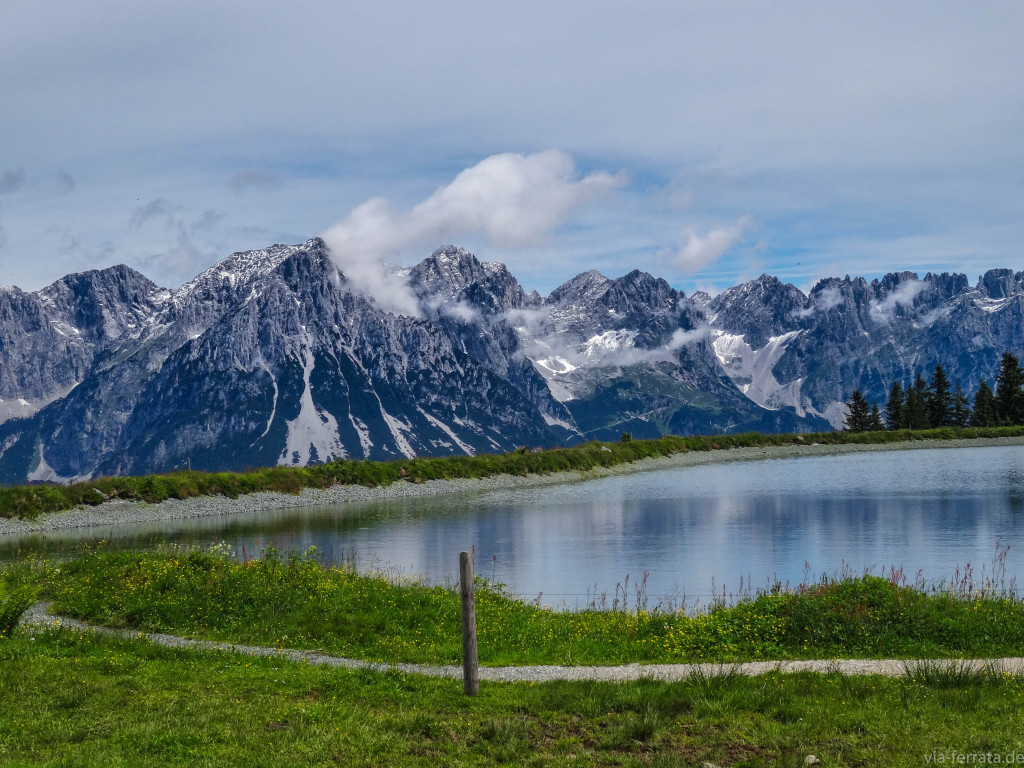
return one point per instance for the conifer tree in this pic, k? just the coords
(857, 419)
(895, 411)
(961, 407)
(1009, 391)
(940, 404)
(875, 423)
(917, 405)
(984, 413)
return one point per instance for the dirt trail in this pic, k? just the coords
(39, 615)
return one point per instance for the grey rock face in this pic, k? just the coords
(271, 357)
(51, 339)
(850, 334)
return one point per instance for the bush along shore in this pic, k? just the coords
(29, 501)
(294, 601)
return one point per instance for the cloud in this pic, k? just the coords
(155, 209)
(10, 181)
(903, 296)
(698, 252)
(610, 349)
(530, 320)
(681, 337)
(66, 183)
(174, 217)
(254, 179)
(186, 255)
(635, 356)
(209, 220)
(511, 200)
(823, 301)
(460, 310)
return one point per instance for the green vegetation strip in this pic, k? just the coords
(80, 699)
(293, 601)
(29, 501)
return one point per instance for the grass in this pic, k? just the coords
(292, 600)
(73, 699)
(29, 501)
(78, 699)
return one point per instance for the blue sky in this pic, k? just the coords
(705, 142)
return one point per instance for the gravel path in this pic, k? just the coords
(118, 512)
(39, 616)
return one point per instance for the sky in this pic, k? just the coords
(704, 142)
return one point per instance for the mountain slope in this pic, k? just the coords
(272, 357)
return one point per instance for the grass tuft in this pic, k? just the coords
(13, 604)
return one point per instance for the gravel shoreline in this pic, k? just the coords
(122, 512)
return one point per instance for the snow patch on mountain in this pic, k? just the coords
(597, 347)
(399, 430)
(314, 432)
(16, 408)
(365, 443)
(835, 413)
(551, 421)
(448, 431)
(992, 305)
(554, 365)
(273, 406)
(752, 370)
(44, 473)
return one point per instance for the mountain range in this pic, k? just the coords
(274, 357)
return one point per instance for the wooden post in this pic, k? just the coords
(470, 672)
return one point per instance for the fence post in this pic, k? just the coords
(470, 672)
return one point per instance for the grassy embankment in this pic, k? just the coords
(294, 601)
(29, 501)
(78, 699)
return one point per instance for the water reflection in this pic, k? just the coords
(759, 521)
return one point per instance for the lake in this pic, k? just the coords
(696, 532)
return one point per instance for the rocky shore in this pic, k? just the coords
(116, 512)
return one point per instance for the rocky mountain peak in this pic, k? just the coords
(243, 268)
(101, 304)
(946, 285)
(452, 266)
(454, 276)
(759, 309)
(999, 284)
(586, 286)
(700, 298)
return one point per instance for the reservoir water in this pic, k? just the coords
(695, 532)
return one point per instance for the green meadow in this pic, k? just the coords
(74, 698)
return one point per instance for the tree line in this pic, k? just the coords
(936, 403)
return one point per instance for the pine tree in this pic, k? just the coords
(917, 405)
(961, 407)
(940, 404)
(895, 410)
(1009, 391)
(857, 419)
(984, 414)
(875, 423)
